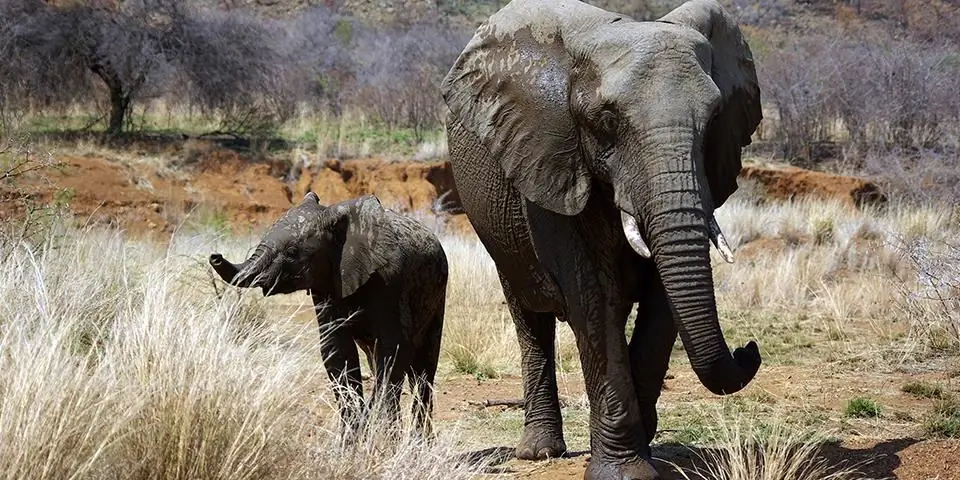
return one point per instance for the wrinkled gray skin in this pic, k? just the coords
(572, 129)
(356, 256)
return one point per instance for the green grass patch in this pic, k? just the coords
(467, 361)
(923, 390)
(343, 137)
(783, 339)
(944, 420)
(862, 407)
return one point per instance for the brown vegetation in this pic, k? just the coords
(867, 86)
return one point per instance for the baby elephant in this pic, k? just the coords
(376, 277)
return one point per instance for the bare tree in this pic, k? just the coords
(240, 66)
(231, 61)
(798, 81)
(321, 45)
(42, 66)
(400, 74)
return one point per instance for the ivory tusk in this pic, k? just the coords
(632, 231)
(716, 236)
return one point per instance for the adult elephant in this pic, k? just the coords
(579, 137)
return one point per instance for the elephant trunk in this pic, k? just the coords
(242, 275)
(676, 211)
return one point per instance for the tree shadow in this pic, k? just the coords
(877, 462)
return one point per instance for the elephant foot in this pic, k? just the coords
(540, 444)
(608, 469)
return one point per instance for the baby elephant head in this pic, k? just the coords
(328, 250)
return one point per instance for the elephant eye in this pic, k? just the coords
(608, 122)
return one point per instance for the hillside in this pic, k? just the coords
(154, 189)
(929, 17)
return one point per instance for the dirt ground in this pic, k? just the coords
(879, 449)
(152, 195)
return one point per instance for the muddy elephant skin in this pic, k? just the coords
(590, 152)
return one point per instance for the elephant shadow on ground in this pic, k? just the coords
(877, 462)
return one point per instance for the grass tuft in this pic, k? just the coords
(862, 407)
(944, 420)
(746, 448)
(923, 390)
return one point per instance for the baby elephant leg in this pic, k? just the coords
(423, 370)
(391, 364)
(342, 363)
(343, 367)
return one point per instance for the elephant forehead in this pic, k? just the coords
(540, 18)
(650, 62)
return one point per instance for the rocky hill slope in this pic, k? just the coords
(198, 183)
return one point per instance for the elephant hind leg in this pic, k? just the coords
(392, 362)
(421, 375)
(542, 423)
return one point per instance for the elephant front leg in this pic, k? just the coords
(618, 437)
(342, 363)
(650, 347)
(542, 423)
(579, 253)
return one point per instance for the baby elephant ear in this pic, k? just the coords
(735, 75)
(311, 197)
(360, 224)
(509, 88)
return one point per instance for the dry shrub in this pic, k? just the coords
(20, 160)
(882, 106)
(931, 298)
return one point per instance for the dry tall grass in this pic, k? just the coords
(117, 360)
(844, 270)
(479, 336)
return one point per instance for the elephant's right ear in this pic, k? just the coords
(511, 90)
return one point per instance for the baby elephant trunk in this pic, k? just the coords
(239, 275)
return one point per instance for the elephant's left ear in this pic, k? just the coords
(358, 224)
(510, 89)
(734, 73)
